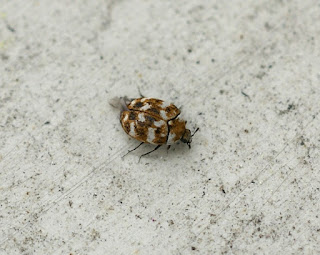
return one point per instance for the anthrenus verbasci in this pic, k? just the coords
(153, 121)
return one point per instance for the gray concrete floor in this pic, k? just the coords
(246, 72)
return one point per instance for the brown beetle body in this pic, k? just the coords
(153, 121)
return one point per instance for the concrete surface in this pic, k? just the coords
(246, 72)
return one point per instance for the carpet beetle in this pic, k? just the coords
(153, 121)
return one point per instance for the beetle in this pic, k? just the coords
(153, 121)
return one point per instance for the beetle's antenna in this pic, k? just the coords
(189, 142)
(195, 132)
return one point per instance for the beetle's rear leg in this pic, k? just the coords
(140, 93)
(149, 152)
(131, 150)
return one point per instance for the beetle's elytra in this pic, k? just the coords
(153, 121)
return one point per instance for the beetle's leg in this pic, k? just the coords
(149, 152)
(140, 92)
(131, 150)
(168, 147)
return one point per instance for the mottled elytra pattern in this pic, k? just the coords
(154, 121)
(144, 127)
(156, 107)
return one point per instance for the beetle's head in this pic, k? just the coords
(187, 137)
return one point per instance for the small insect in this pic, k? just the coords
(153, 121)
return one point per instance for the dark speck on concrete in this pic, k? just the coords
(290, 107)
(4, 57)
(222, 189)
(260, 75)
(246, 95)
(11, 29)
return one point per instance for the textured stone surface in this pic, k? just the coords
(246, 72)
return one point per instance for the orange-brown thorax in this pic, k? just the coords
(177, 129)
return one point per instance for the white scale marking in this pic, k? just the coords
(145, 107)
(144, 99)
(171, 138)
(141, 117)
(126, 116)
(165, 104)
(163, 115)
(133, 102)
(159, 123)
(132, 130)
(151, 135)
